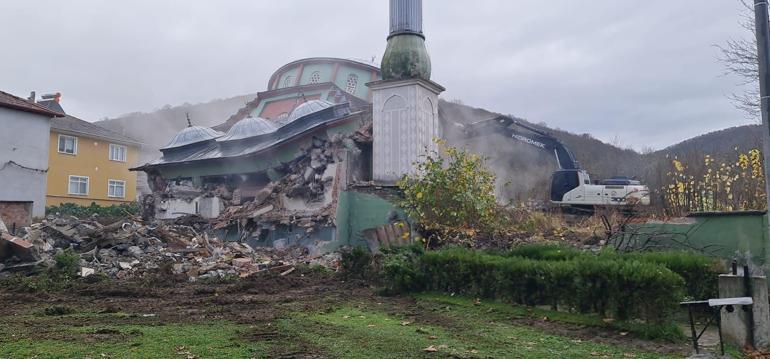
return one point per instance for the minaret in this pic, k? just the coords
(405, 102)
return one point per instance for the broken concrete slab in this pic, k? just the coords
(11, 246)
(85, 271)
(262, 210)
(242, 262)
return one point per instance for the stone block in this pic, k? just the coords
(735, 325)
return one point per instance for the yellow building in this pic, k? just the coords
(89, 164)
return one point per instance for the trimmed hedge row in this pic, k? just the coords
(700, 273)
(644, 286)
(624, 288)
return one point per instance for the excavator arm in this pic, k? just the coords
(528, 134)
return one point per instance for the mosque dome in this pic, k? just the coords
(247, 128)
(192, 134)
(308, 108)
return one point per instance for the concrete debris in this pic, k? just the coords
(130, 248)
(16, 248)
(212, 227)
(85, 271)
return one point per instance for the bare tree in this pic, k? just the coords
(740, 58)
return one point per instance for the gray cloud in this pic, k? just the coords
(645, 72)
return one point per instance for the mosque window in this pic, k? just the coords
(288, 81)
(315, 77)
(351, 84)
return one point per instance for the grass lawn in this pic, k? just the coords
(433, 326)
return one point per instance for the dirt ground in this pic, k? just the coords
(257, 301)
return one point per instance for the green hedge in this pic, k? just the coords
(545, 252)
(624, 288)
(700, 273)
(71, 209)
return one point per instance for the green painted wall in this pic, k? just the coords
(325, 70)
(292, 73)
(721, 235)
(363, 77)
(361, 211)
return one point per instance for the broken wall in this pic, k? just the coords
(358, 211)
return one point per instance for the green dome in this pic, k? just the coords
(405, 57)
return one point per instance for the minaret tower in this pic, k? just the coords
(405, 102)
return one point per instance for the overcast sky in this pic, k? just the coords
(644, 72)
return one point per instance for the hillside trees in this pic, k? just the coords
(714, 184)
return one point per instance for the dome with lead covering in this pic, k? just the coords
(307, 108)
(192, 134)
(249, 127)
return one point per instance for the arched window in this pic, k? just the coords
(288, 81)
(352, 83)
(315, 77)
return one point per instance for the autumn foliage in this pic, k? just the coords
(451, 195)
(735, 184)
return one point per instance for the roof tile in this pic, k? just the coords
(18, 103)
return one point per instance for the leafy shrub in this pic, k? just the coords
(67, 264)
(356, 263)
(451, 195)
(57, 278)
(71, 209)
(400, 269)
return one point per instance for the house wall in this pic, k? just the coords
(91, 160)
(23, 140)
(16, 214)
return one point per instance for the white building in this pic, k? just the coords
(24, 138)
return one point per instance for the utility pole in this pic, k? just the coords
(763, 48)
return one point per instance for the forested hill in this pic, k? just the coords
(156, 128)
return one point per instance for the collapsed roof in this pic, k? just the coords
(196, 143)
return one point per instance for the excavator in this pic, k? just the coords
(571, 186)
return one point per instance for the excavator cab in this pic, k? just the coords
(562, 182)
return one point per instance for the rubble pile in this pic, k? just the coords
(308, 178)
(129, 249)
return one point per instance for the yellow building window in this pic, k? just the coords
(117, 153)
(68, 144)
(117, 189)
(78, 185)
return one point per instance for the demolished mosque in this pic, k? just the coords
(313, 160)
